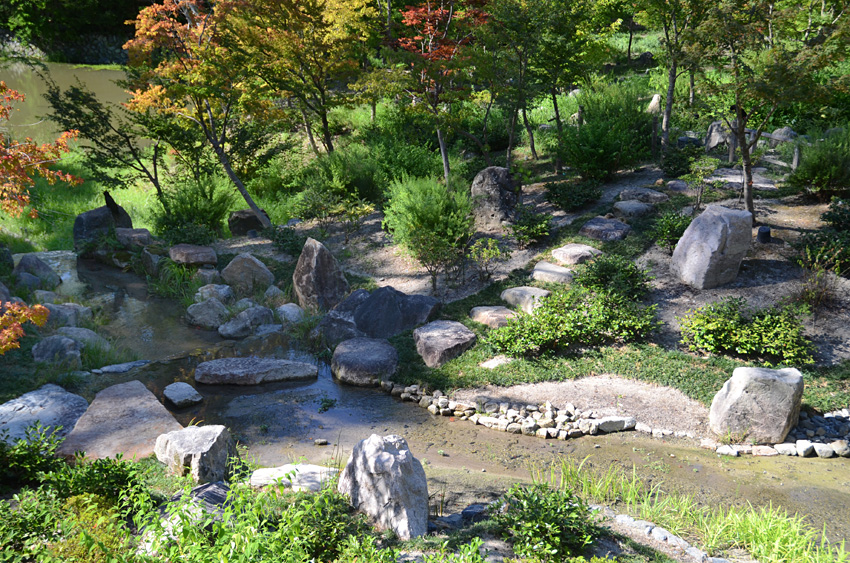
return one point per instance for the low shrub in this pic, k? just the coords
(824, 168)
(676, 162)
(27, 530)
(529, 226)
(108, 478)
(193, 211)
(485, 253)
(286, 239)
(837, 217)
(92, 531)
(614, 274)
(544, 524)
(572, 196)
(773, 335)
(26, 460)
(669, 227)
(828, 250)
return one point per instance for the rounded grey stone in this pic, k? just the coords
(364, 361)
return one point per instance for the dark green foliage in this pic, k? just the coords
(349, 172)
(286, 239)
(614, 274)
(109, 478)
(175, 281)
(824, 168)
(677, 161)
(837, 217)
(545, 524)
(669, 228)
(773, 335)
(26, 460)
(828, 250)
(485, 253)
(572, 196)
(26, 529)
(529, 226)
(194, 211)
(574, 317)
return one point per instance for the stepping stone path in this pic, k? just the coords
(574, 253)
(49, 405)
(252, 371)
(548, 272)
(632, 208)
(192, 255)
(297, 476)
(121, 368)
(440, 341)
(600, 228)
(644, 195)
(494, 316)
(181, 394)
(364, 361)
(525, 297)
(123, 419)
(733, 178)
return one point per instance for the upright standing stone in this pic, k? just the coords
(204, 452)
(98, 222)
(495, 195)
(318, 280)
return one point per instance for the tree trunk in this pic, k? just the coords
(668, 106)
(741, 135)
(444, 153)
(559, 166)
(484, 152)
(225, 163)
(530, 132)
(373, 107)
(309, 130)
(512, 126)
(691, 89)
(631, 35)
(327, 139)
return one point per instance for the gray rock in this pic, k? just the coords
(333, 330)
(266, 329)
(384, 480)
(193, 255)
(27, 281)
(764, 451)
(59, 350)
(525, 297)
(643, 195)
(600, 228)
(50, 405)
(247, 275)
(243, 304)
(243, 220)
(203, 452)
(823, 450)
(35, 266)
(718, 134)
(297, 476)
(125, 367)
(84, 337)
(804, 448)
(727, 450)
(252, 371)
(7, 263)
(151, 262)
(388, 312)
(441, 341)
(134, 239)
(548, 272)
(492, 316)
(678, 186)
(573, 253)
(125, 419)
(318, 280)
(763, 404)
(710, 252)
(632, 208)
(207, 275)
(786, 449)
(783, 134)
(209, 314)
(222, 292)
(97, 223)
(246, 322)
(364, 361)
(274, 295)
(6, 295)
(290, 313)
(495, 194)
(67, 314)
(616, 423)
(840, 448)
(39, 296)
(181, 394)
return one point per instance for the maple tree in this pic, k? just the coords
(12, 318)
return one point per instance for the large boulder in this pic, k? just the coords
(575, 253)
(782, 134)
(193, 255)
(252, 371)
(58, 350)
(209, 314)
(364, 361)
(245, 323)
(338, 325)
(247, 275)
(318, 280)
(718, 134)
(35, 266)
(99, 222)
(710, 252)
(67, 314)
(526, 298)
(388, 312)
(123, 419)
(495, 195)
(441, 341)
(761, 404)
(600, 228)
(244, 220)
(204, 452)
(85, 337)
(134, 239)
(50, 405)
(384, 480)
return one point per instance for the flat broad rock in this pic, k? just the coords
(548, 272)
(575, 253)
(495, 362)
(632, 208)
(495, 316)
(440, 341)
(644, 195)
(600, 228)
(297, 476)
(193, 255)
(123, 419)
(49, 405)
(181, 394)
(364, 361)
(252, 371)
(525, 297)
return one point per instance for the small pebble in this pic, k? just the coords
(320, 442)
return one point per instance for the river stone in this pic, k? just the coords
(207, 275)
(764, 451)
(5, 295)
(318, 280)
(243, 304)
(786, 449)
(804, 448)
(384, 480)
(25, 280)
(243, 220)
(123, 419)
(204, 452)
(247, 275)
(632, 208)
(710, 252)
(525, 297)
(151, 262)
(492, 316)
(84, 337)
(59, 350)
(50, 405)
(678, 186)
(246, 322)
(192, 255)
(364, 361)
(297, 476)
(495, 195)
(181, 394)
(252, 371)
(600, 228)
(124, 367)
(823, 450)
(782, 134)
(643, 195)
(762, 403)
(99, 222)
(67, 314)
(35, 266)
(209, 314)
(274, 296)
(616, 423)
(388, 312)
(222, 292)
(134, 239)
(290, 313)
(575, 253)
(39, 296)
(548, 272)
(840, 448)
(441, 341)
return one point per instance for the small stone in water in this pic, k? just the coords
(320, 442)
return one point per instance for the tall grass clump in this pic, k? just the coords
(824, 168)
(194, 211)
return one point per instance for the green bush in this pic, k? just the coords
(25, 461)
(669, 228)
(544, 524)
(824, 168)
(348, 172)
(773, 335)
(827, 249)
(194, 212)
(614, 274)
(27, 530)
(572, 196)
(574, 317)
(837, 217)
(677, 161)
(529, 226)
(286, 239)
(93, 531)
(485, 253)
(108, 478)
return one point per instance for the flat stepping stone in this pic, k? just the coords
(364, 361)
(645, 195)
(440, 341)
(193, 255)
(600, 228)
(525, 297)
(181, 394)
(548, 272)
(574, 253)
(297, 476)
(494, 316)
(49, 405)
(678, 186)
(123, 419)
(252, 371)
(632, 208)
(123, 368)
(495, 362)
